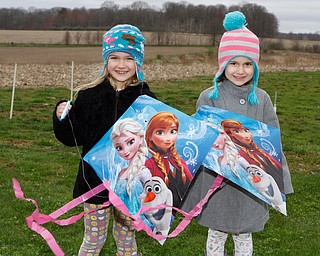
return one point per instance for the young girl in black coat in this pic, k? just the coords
(95, 110)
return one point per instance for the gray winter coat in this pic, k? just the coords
(231, 208)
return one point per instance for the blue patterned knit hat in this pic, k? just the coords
(125, 38)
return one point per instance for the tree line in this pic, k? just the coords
(172, 17)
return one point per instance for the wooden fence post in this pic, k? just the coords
(13, 89)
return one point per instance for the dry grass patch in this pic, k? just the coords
(41, 66)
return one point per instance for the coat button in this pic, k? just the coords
(242, 101)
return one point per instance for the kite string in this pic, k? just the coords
(139, 224)
(81, 158)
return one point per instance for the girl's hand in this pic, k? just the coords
(61, 107)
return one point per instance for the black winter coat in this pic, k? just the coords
(93, 113)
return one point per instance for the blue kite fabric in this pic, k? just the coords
(148, 159)
(248, 153)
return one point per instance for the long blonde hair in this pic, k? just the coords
(134, 127)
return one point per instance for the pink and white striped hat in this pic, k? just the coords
(237, 41)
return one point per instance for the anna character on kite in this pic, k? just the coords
(97, 107)
(166, 163)
(128, 139)
(249, 150)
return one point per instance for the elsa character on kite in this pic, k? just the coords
(249, 150)
(128, 139)
(165, 162)
(230, 155)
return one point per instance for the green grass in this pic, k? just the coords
(46, 170)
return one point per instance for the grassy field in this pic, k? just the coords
(46, 170)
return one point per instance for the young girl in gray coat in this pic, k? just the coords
(232, 209)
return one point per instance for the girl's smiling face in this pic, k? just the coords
(239, 70)
(164, 137)
(127, 145)
(122, 67)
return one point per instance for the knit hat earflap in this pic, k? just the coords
(125, 38)
(237, 41)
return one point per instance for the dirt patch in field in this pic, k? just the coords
(81, 55)
(39, 66)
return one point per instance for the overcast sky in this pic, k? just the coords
(297, 16)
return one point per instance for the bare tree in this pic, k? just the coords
(109, 5)
(66, 38)
(78, 37)
(259, 20)
(179, 17)
(140, 5)
(87, 37)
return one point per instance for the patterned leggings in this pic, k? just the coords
(96, 221)
(243, 245)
